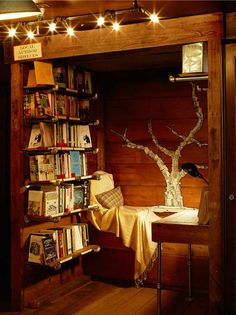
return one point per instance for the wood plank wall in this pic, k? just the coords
(131, 100)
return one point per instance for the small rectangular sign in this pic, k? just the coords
(28, 51)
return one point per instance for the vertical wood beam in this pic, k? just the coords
(215, 116)
(16, 182)
(229, 176)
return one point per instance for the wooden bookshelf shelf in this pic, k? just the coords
(83, 251)
(59, 181)
(57, 217)
(55, 150)
(56, 265)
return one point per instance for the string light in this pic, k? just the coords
(154, 18)
(30, 34)
(12, 32)
(70, 23)
(116, 26)
(52, 27)
(100, 21)
(70, 31)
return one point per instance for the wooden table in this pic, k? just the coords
(181, 227)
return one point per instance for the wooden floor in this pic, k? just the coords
(98, 298)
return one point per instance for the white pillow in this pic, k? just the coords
(103, 184)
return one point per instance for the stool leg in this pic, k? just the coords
(159, 279)
(189, 297)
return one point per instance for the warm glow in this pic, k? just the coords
(154, 18)
(52, 27)
(100, 21)
(19, 15)
(70, 31)
(12, 32)
(116, 26)
(61, 24)
(30, 34)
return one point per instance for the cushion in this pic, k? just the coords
(105, 183)
(111, 198)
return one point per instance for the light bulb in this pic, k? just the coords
(70, 31)
(116, 26)
(30, 34)
(154, 18)
(12, 32)
(100, 21)
(52, 27)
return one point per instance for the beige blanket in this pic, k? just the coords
(133, 226)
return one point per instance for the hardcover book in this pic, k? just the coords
(84, 137)
(61, 105)
(45, 167)
(35, 140)
(59, 74)
(33, 168)
(35, 202)
(88, 82)
(79, 81)
(77, 242)
(47, 133)
(78, 197)
(36, 250)
(84, 106)
(75, 163)
(51, 203)
(43, 73)
(49, 248)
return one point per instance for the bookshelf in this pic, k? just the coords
(56, 141)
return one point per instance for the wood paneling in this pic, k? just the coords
(133, 99)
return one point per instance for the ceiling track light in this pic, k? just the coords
(70, 23)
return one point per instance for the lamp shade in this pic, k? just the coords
(10, 10)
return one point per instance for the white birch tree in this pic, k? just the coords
(172, 176)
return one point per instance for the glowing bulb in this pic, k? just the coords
(70, 31)
(116, 26)
(52, 27)
(154, 18)
(12, 32)
(30, 34)
(100, 21)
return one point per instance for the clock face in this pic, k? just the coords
(192, 58)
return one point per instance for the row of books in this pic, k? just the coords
(60, 134)
(51, 201)
(74, 78)
(65, 76)
(47, 246)
(43, 103)
(49, 167)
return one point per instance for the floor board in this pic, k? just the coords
(99, 298)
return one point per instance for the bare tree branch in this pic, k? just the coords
(189, 138)
(147, 151)
(190, 141)
(157, 144)
(173, 196)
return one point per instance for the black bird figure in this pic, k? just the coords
(192, 170)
